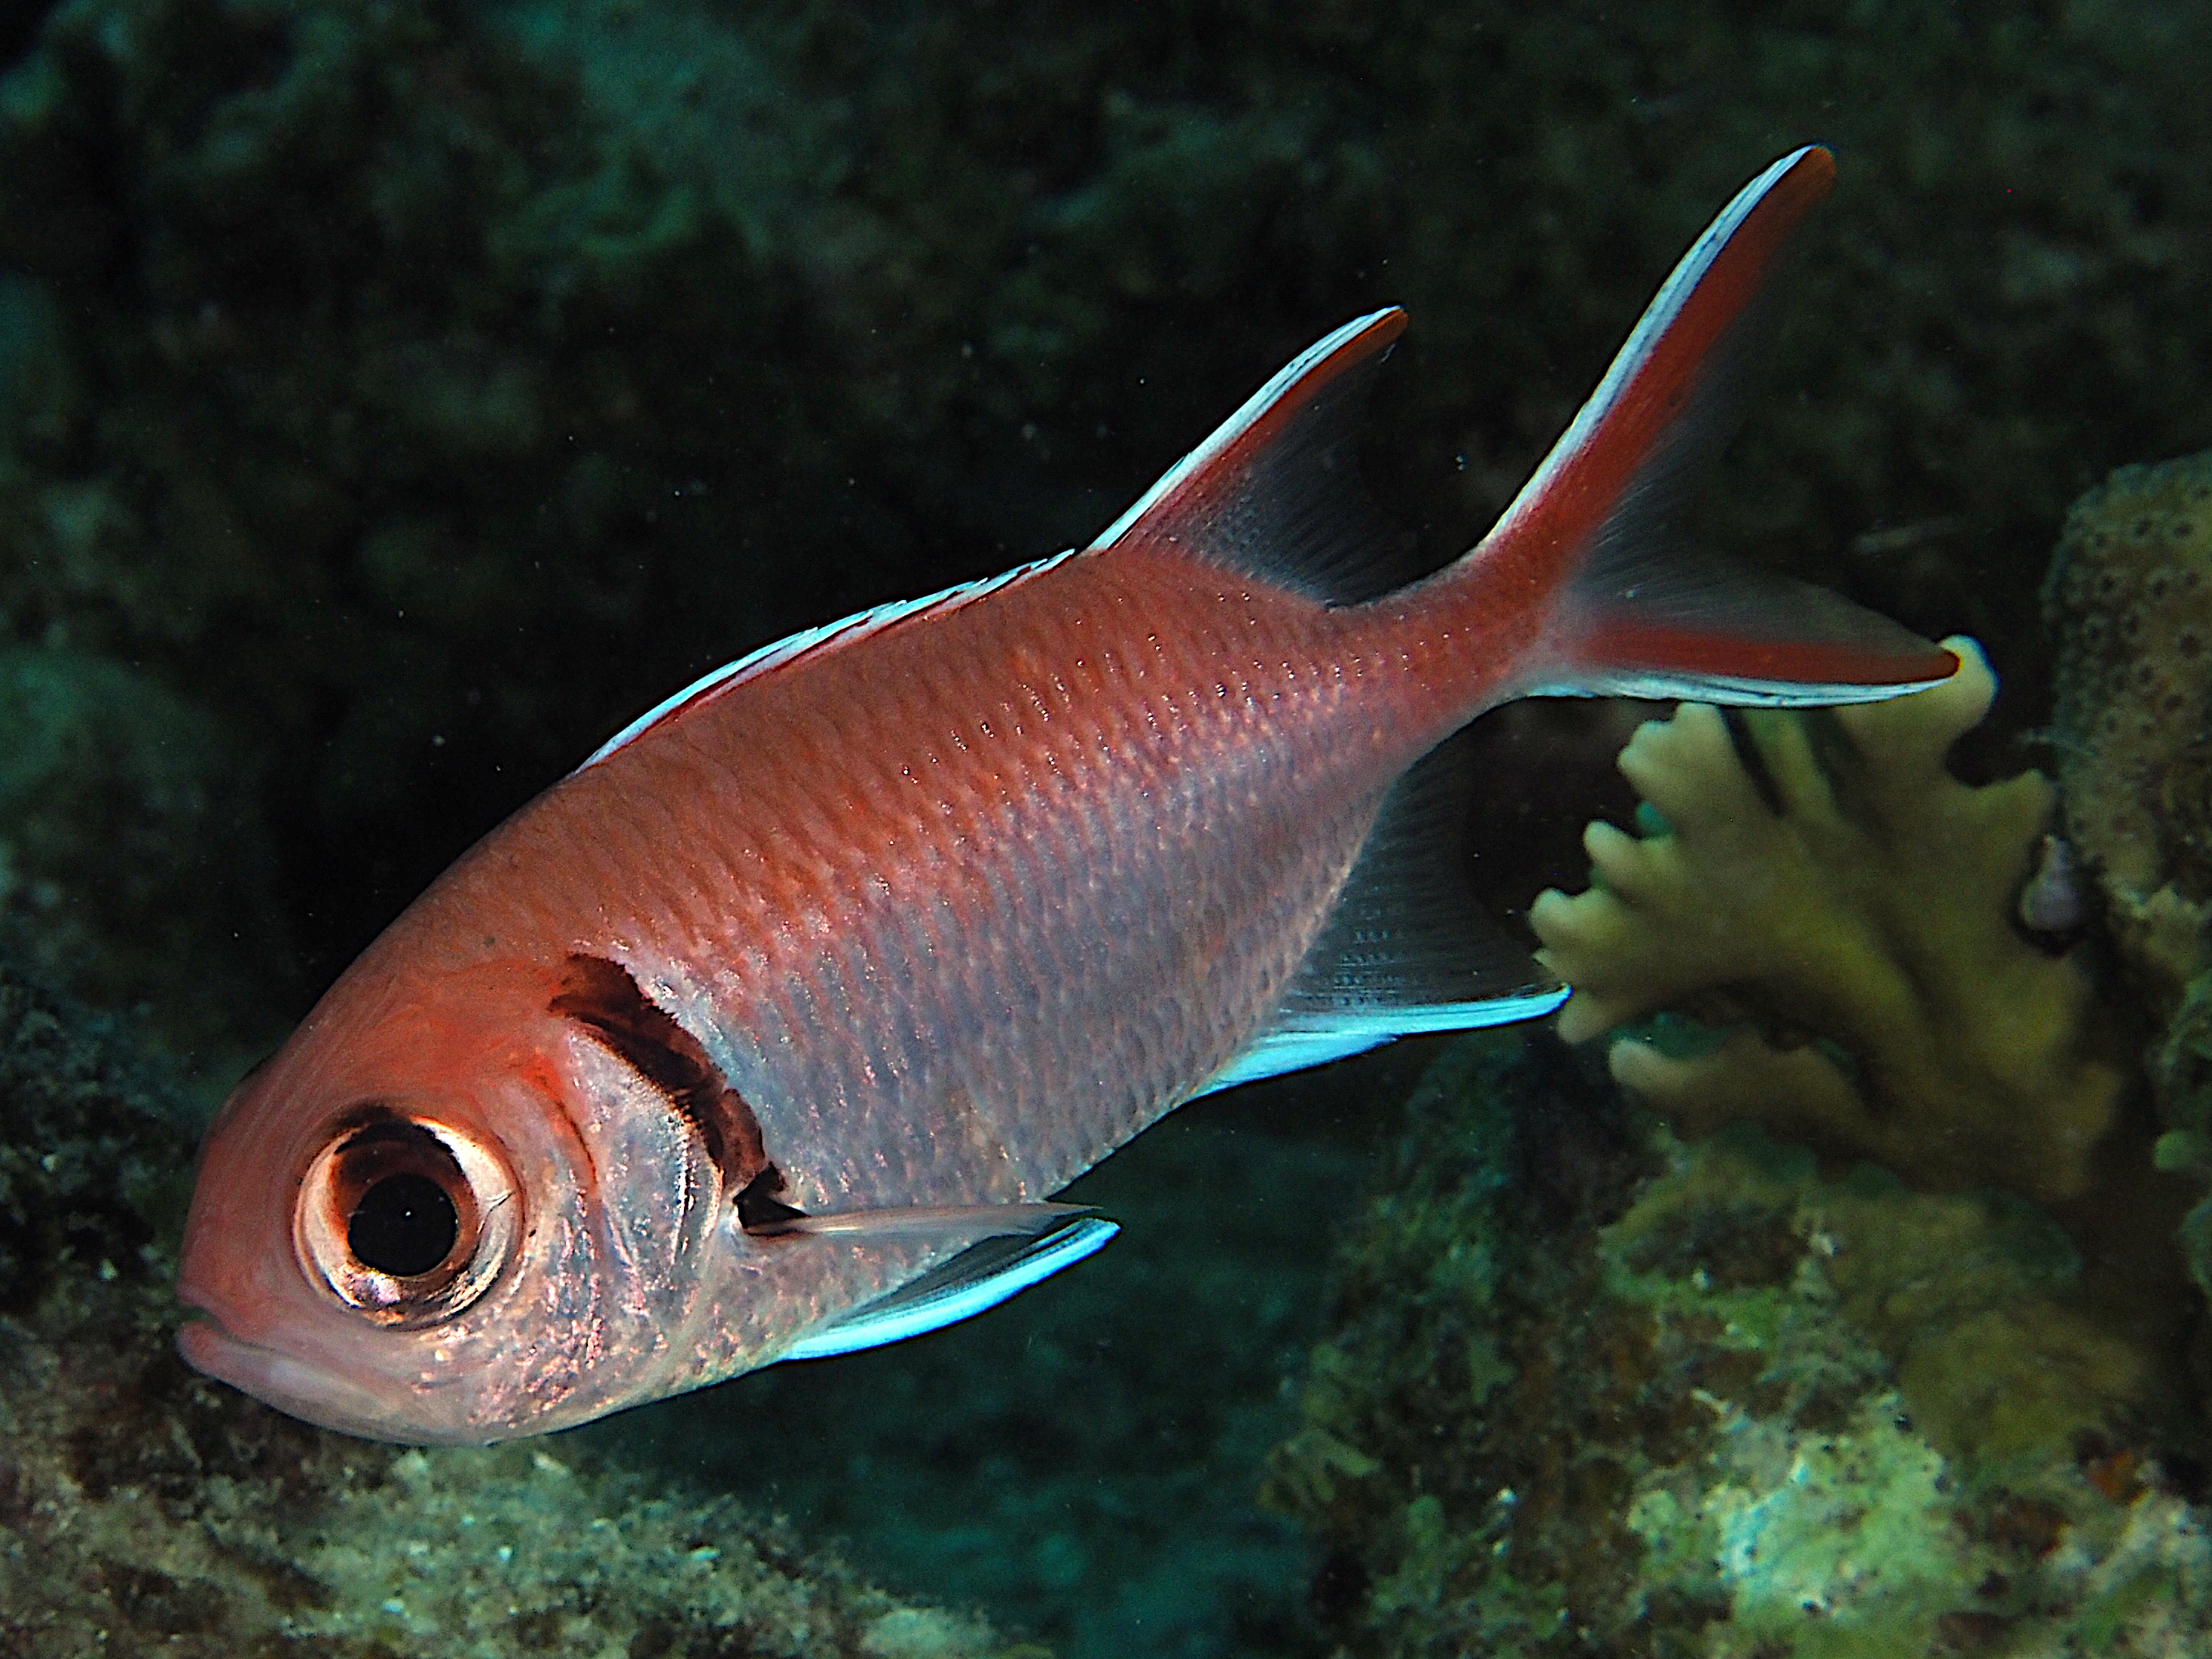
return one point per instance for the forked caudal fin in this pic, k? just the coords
(1633, 616)
(1274, 494)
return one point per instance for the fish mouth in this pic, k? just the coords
(295, 1386)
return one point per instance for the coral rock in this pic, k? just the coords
(2129, 597)
(1867, 908)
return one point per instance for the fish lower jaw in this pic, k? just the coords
(298, 1389)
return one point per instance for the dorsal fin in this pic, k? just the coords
(1275, 492)
(818, 640)
(1407, 949)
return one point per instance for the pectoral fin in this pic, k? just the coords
(944, 1223)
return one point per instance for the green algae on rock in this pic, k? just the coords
(1595, 1391)
(144, 1509)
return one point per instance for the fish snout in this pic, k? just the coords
(264, 1345)
(296, 1386)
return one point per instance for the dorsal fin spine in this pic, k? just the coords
(1274, 494)
(1260, 418)
(817, 642)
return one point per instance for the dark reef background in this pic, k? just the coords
(395, 399)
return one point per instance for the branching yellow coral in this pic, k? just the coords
(1864, 928)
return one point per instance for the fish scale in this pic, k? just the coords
(1024, 1017)
(767, 1032)
(1104, 831)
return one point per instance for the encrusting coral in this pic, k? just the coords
(2130, 601)
(1845, 905)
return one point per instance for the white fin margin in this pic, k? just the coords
(1281, 1052)
(1728, 688)
(1238, 424)
(823, 636)
(1658, 317)
(954, 1292)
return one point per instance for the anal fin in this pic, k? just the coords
(1406, 950)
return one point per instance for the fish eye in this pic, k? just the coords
(406, 1220)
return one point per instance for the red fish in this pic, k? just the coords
(768, 1032)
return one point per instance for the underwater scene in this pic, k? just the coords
(1782, 1230)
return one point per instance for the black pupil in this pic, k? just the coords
(403, 1225)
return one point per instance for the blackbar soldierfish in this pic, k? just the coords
(768, 1032)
